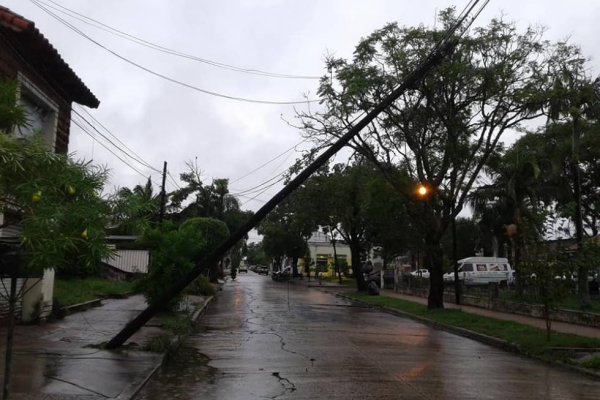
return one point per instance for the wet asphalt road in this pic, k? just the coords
(254, 344)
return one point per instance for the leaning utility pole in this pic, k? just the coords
(444, 47)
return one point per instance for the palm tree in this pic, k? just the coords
(134, 210)
(515, 198)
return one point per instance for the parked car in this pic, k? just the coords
(482, 270)
(421, 273)
(283, 275)
(262, 270)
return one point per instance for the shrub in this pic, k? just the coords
(175, 252)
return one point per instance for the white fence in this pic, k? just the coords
(35, 297)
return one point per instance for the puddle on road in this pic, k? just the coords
(187, 375)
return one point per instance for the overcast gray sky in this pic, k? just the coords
(162, 121)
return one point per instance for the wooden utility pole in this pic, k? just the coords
(163, 194)
(410, 81)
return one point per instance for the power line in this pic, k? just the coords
(125, 153)
(165, 77)
(135, 39)
(260, 186)
(84, 129)
(174, 180)
(137, 157)
(270, 161)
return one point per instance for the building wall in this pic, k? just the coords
(131, 261)
(11, 64)
(321, 251)
(37, 302)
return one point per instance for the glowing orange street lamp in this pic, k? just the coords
(422, 190)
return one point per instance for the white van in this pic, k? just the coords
(482, 270)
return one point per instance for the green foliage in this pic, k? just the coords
(209, 201)
(443, 130)
(547, 277)
(74, 291)
(255, 254)
(175, 252)
(11, 115)
(56, 202)
(133, 211)
(529, 339)
(591, 363)
(201, 287)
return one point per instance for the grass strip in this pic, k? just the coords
(74, 291)
(530, 340)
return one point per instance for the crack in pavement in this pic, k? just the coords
(288, 386)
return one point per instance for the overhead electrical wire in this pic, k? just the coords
(135, 39)
(270, 161)
(165, 77)
(173, 180)
(85, 130)
(135, 156)
(121, 150)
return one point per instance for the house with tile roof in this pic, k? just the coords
(46, 89)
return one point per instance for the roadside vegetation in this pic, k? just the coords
(74, 291)
(529, 340)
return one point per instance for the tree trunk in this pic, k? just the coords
(295, 266)
(10, 328)
(357, 267)
(335, 262)
(582, 271)
(436, 280)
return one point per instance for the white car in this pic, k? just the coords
(482, 270)
(421, 273)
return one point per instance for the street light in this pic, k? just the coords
(422, 190)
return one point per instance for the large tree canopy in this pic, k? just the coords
(443, 130)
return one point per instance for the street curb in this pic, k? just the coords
(480, 337)
(133, 389)
(68, 310)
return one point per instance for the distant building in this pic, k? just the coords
(321, 251)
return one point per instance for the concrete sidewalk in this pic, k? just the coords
(56, 361)
(561, 327)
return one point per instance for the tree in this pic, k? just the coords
(55, 202)
(196, 199)
(519, 191)
(175, 250)
(443, 130)
(255, 254)
(575, 96)
(283, 234)
(467, 238)
(133, 211)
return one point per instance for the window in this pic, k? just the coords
(481, 267)
(41, 113)
(494, 267)
(466, 268)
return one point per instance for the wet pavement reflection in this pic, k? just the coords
(266, 340)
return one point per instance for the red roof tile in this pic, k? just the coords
(39, 53)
